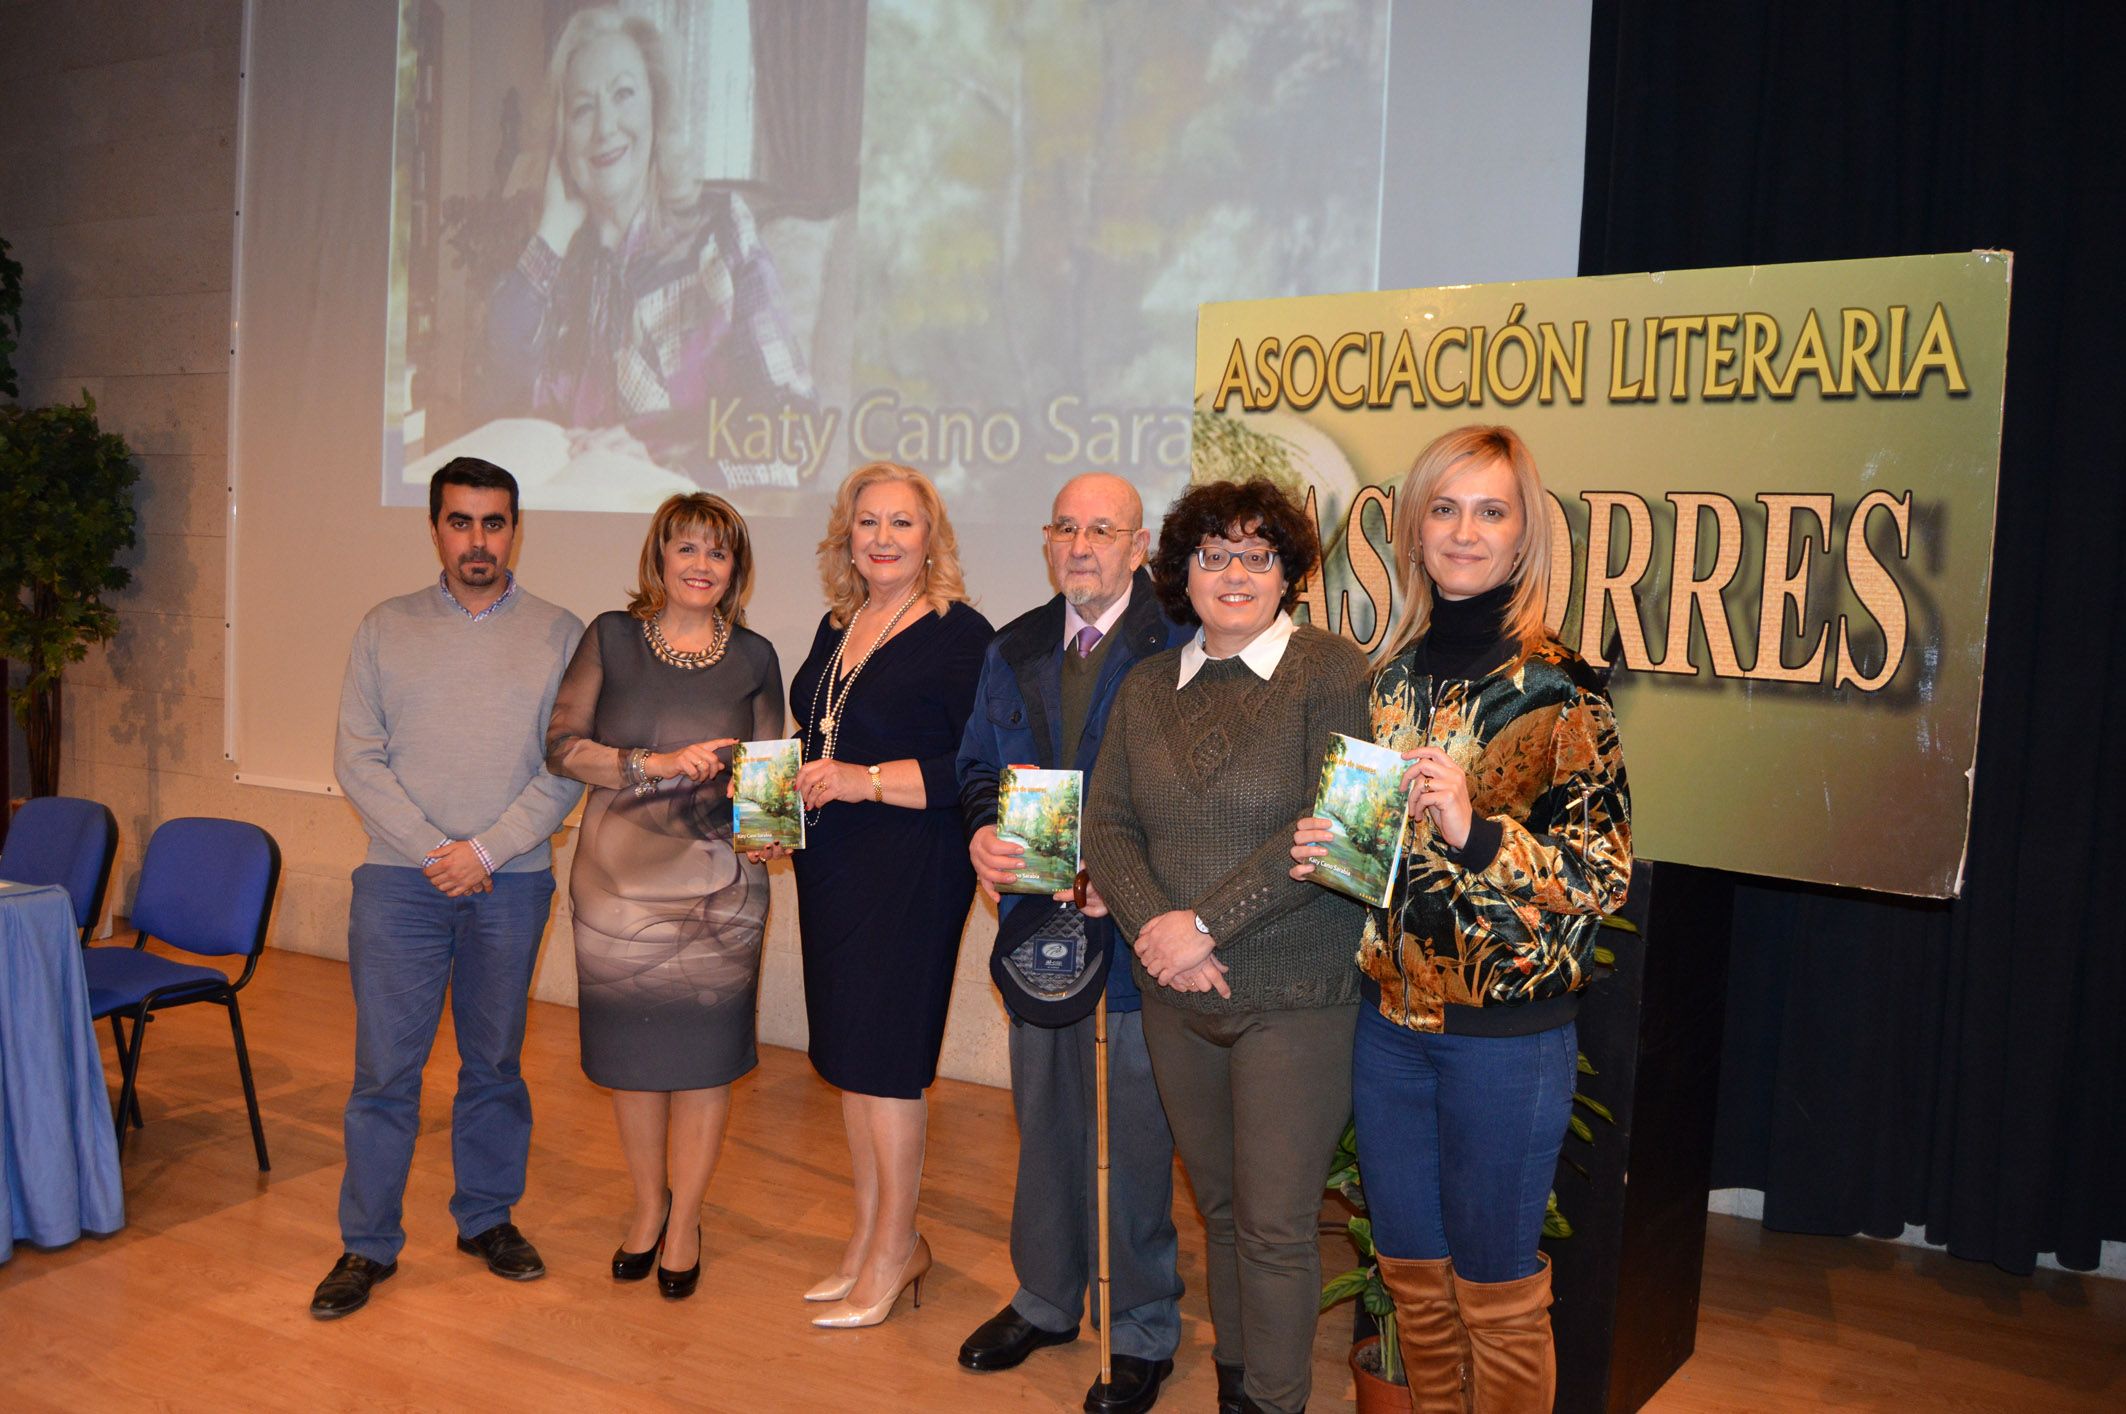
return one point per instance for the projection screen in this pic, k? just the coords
(972, 238)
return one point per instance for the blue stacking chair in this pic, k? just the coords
(56, 839)
(206, 888)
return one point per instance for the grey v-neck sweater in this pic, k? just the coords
(442, 729)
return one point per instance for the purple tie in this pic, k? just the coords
(1087, 637)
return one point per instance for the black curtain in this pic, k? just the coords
(808, 75)
(1955, 1065)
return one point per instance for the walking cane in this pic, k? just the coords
(1107, 1373)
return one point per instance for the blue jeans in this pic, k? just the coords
(1458, 1140)
(405, 943)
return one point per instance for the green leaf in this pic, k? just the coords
(1604, 957)
(1343, 1287)
(1361, 1230)
(66, 498)
(1586, 1065)
(1596, 1105)
(1619, 922)
(1580, 1129)
(1343, 1168)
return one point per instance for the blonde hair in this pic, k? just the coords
(674, 190)
(703, 514)
(1531, 573)
(845, 588)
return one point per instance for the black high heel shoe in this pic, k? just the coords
(677, 1286)
(634, 1266)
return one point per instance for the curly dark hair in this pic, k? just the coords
(1226, 508)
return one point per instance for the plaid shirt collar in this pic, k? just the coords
(443, 583)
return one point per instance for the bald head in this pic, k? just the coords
(1120, 502)
(1094, 577)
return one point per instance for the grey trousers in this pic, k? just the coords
(1257, 1102)
(1054, 1220)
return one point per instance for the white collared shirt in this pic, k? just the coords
(1073, 622)
(1262, 655)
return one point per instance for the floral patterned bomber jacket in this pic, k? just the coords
(1538, 742)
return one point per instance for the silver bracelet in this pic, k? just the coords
(637, 774)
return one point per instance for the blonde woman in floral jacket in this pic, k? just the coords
(1519, 840)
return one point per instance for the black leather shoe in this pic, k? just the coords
(1230, 1380)
(634, 1266)
(345, 1290)
(507, 1252)
(1006, 1338)
(678, 1286)
(1134, 1388)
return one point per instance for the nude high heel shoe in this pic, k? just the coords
(851, 1317)
(834, 1288)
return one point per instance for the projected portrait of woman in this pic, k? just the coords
(643, 293)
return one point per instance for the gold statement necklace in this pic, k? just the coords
(719, 639)
(831, 696)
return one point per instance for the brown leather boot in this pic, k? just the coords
(1428, 1327)
(1513, 1366)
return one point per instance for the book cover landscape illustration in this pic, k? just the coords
(1039, 810)
(765, 809)
(1362, 799)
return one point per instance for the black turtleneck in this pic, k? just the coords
(1467, 638)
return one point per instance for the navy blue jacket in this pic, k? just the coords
(1018, 719)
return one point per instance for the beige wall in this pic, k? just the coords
(117, 191)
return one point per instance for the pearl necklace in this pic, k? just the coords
(828, 718)
(719, 639)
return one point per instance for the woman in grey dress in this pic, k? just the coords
(668, 915)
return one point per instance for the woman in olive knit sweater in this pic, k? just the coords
(1250, 995)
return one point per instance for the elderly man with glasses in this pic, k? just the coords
(1047, 683)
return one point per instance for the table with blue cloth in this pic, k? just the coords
(57, 1148)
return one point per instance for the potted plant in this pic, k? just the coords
(66, 498)
(1376, 1361)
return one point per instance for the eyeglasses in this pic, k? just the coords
(1255, 561)
(1099, 534)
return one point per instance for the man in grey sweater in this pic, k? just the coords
(441, 750)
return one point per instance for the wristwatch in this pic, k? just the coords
(878, 788)
(1201, 926)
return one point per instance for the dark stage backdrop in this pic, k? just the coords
(1953, 1065)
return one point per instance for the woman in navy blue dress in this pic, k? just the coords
(884, 882)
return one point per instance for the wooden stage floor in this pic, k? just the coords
(201, 1302)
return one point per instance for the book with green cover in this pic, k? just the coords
(1039, 810)
(765, 808)
(1361, 797)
